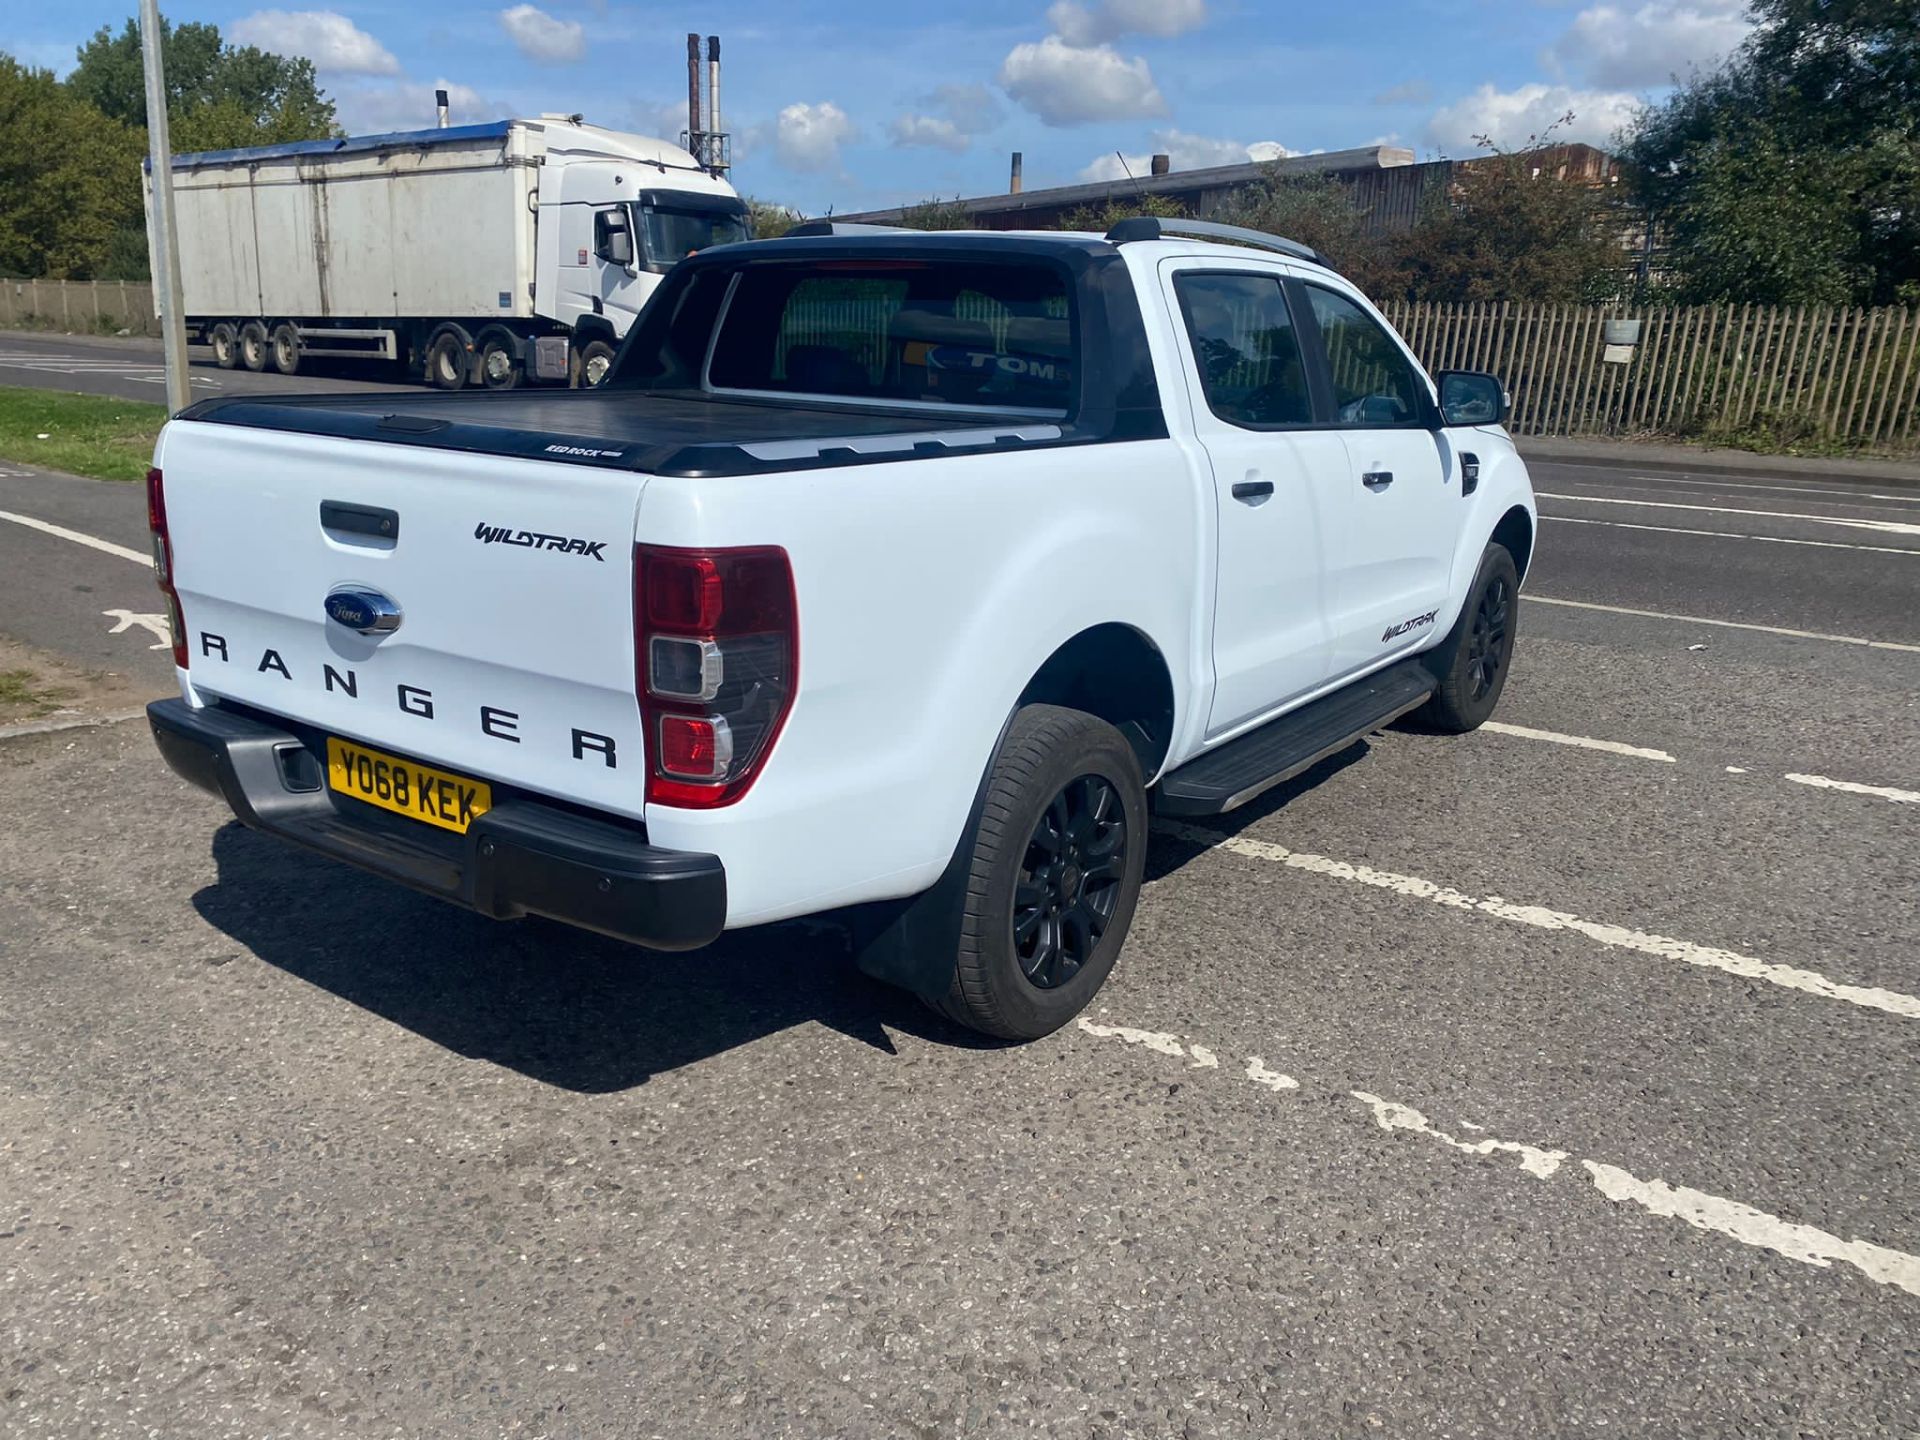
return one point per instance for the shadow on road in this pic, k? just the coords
(1169, 853)
(562, 1006)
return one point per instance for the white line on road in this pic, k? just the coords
(1734, 535)
(1618, 937)
(1884, 527)
(1884, 792)
(1663, 482)
(1584, 742)
(93, 542)
(1748, 481)
(1723, 624)
(1715, 1214)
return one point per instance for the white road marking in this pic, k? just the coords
(1884, 792)
(1203, 1058)
(157, 624)
(1664, 482)
(1731, 535)
(1533, 599)
(1695, 477)
(1885, 527)
(1584, 742)
(1711, 1213)
(1389, 1115)
(1155, 1040)
(1259, 1074)
(1736, 770)
(139, 557)
(1757, 1228)
(1618, 937)
(73, 365)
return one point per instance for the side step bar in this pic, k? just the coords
(1229, 776)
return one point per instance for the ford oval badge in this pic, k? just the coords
(362, 609)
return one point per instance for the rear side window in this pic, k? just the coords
(1246, 349)
(945, 333)
(1374, 384)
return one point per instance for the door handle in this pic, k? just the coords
(1377, 479)
(1252, 492)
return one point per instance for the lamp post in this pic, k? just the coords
(164, 238)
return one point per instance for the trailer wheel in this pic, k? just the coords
(596, 362)
(499, 363)
(224, 342)
(285, 349)
(253, 345)
(447, 361)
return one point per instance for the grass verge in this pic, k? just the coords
(93, 435)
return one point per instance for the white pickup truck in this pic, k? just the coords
(893, 575)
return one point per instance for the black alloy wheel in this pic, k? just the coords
(1070, 881)
(1487, 643)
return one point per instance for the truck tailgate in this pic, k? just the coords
(513, 658)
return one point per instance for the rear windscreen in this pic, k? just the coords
(948, 333)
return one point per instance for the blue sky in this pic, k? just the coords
(873, 102)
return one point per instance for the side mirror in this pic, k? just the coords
(619, 248)
(1472, 397)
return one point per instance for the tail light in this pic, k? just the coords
(716, 663)
(163, 564)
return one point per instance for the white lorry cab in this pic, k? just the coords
(474, 254)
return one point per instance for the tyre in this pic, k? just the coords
(1471, 663)
(224, 341)
(283, 348)
(447, 361)
(253, 345)
(499, 364)
(1054, 873)
(596, 362)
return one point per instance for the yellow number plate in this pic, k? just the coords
(406, 787)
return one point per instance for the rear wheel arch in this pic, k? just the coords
(1117, 673)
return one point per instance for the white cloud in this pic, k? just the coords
(377, 109)
(1072, 85)
(664, 119)
(332, 42)
(542, 38)
(1407, 92)
(1083, 25)
(1184, 152)
(1611, 46)
(931, 130)
(809, 137)
(1510, 118)
(959, 113)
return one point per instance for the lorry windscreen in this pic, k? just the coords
(951, 333)
(671, 233)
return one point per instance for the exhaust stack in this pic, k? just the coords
(440, 108)
(1013, 178)
(717, 158)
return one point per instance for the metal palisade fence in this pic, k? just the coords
(1822, 372)
(81, 306)
(1848, 376)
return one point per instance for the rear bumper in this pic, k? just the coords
(521, 857)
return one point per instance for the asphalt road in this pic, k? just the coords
(132, 369)
(1559, 1079)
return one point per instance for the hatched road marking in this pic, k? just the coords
(1617, 937)
(1732, 535)
(92, 542)
(1712, 1213)
(74, 365)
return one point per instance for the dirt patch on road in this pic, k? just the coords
(38, 687)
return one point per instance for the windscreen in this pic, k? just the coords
(674, 232)
(947, 333)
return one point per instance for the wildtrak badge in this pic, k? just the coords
(1394, 632)
(534, 540)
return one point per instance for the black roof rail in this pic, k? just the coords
(1149, 227)
(844, 227)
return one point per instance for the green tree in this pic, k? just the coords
(1318, 211)
(937, 214)
(1508, 225)
(1792, 172)
(217, 94)
(69, 177)
(769, 220)
(1102, 218)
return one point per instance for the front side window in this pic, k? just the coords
(936, 332)
(1246, 349)
(1374, 384)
